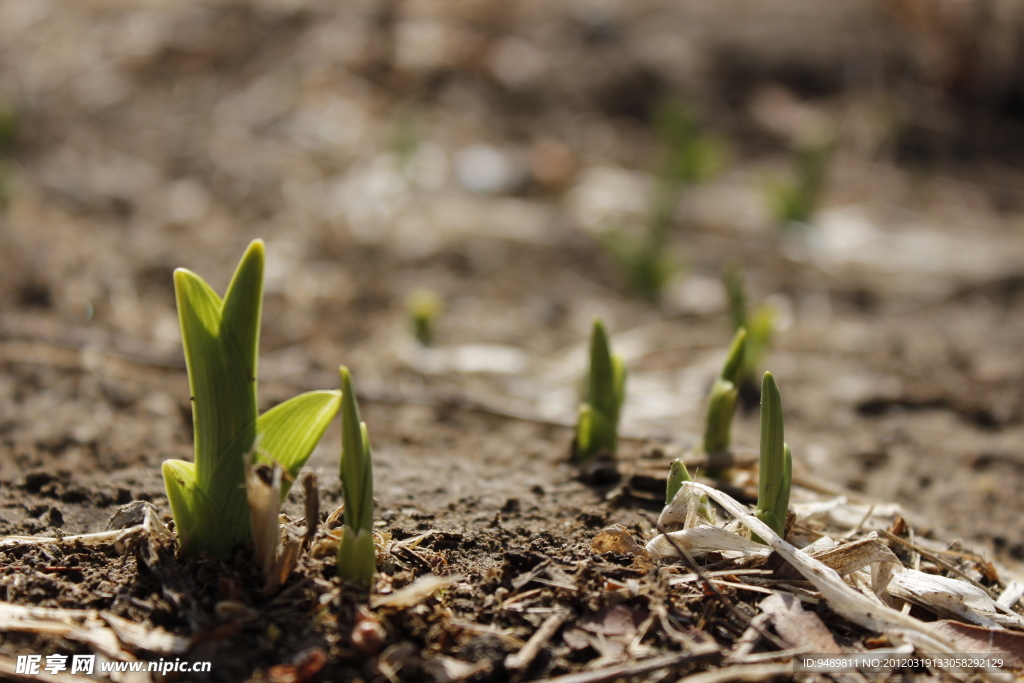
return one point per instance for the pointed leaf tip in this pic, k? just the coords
(734, 359)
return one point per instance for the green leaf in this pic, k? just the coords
(357, 557)
(776, 469)
(356, 467)
(734, 359)
(601, 392)
(288, 432)
(677, 474)
(597, 426)
(759, 337)
(722, 402)
(243, 303)
(718, 426)
(584, 430)
(200, 528)
(180, 484)
(356, 553)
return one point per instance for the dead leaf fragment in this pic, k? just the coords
(797, 626)
(1008, 645)
(616, 539)
(614, 620)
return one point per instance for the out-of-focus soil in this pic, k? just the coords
(476, 150)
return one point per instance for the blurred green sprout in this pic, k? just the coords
(424, 307)
(776, 470)
(356, 552)
(221, 340)
(759, 325)
(722, 401)
(406, 138)
(690, 156)
(8, 128)
(796, 200)
(8, 135)
(604, 392)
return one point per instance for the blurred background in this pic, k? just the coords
(451, 191)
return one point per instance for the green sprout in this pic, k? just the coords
(221, 340)
(677, 474)
(760, 325)
(356, 553)
(795, 201)
(722, 402)
(8, 168)
(690, 157)
(776, 472)
(406, 137)
(424, 308)
(644, 261)
(8, 128)
(598, 422)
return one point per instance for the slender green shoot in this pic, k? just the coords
(677, 474)
(406, 137)
(598, 422)
(424, 307)
(8, 168)
(221, 340)
(760, 331)
(722, 402)
(689, 156)
(795, 201)
(645, 261)
(8, 128)
(776, 472)
(760, 325)
(357, 560)
(732, 278)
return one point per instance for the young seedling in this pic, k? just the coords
(690, 156)
(424, 307)
(221, 340)
(722, 402)
(357, 559)
(8, 136)
(645, 262)
(760, 325)
(795, 201)
(776, 473)
(598, 421)
(677, 474)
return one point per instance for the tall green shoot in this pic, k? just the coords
(795, 201)
(356, 553)
(598, 421)
(220, 338)
(722, 401)
(776, 471)
(689, 156)
(759, 324)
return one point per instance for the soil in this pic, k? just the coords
(476, 150)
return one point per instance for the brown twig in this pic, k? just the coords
(529, 651)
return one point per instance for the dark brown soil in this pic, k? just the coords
(150, 138)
